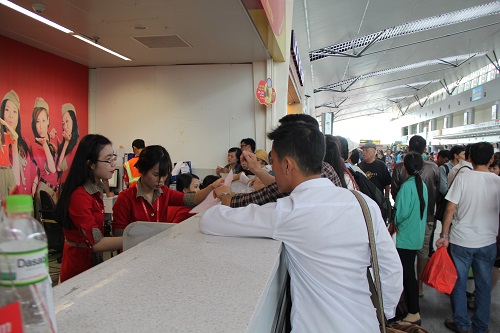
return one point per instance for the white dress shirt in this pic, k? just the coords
(327, 253)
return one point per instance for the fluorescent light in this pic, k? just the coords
(91, 42)
(35, 16)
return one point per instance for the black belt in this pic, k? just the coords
(49, 184)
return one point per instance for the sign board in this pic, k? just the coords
(477, 93)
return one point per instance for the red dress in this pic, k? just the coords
(86, 211)
(130, 208)
(50, 178)
(28, 171)
(66, 165)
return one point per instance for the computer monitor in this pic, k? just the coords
(113, 182)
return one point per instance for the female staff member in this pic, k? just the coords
(10, 111)
(67, 149)
(43, 153)
(187, 183)
(150, 200)
(410, 219)
(80, 209)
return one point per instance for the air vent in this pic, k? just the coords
(162, 42)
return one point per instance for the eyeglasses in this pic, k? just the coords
(110, 160)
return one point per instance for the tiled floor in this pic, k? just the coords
(435, 308)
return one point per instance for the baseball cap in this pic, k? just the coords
(369, 145)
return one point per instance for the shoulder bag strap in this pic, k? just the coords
(376, 289)
(465, 166)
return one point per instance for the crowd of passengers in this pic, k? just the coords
(274, 185)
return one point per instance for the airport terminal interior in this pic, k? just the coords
(197, 77)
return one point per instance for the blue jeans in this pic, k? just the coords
(481, 259)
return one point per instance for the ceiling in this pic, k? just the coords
(220, 31)
(216, 31)
(319, 24)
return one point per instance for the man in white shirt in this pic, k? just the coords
(475, 196)
(462, 166)
(324, 235)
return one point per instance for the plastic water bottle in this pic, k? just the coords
(24, 265)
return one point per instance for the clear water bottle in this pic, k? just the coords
(24, 265)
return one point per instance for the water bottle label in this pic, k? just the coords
(24, 268)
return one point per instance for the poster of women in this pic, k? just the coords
(43, 114)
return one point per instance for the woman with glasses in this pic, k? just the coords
(151, 199)
(80, 209)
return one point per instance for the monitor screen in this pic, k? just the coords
(113, 181)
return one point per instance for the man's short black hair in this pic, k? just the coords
(301, 141)
(481, 153)
(289, 118)
(444, 153)
(138, 143)
(417, 144)
(249, 141)
(456, 150)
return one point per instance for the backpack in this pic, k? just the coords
(368, 188)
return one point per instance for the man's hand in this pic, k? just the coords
(442, 242)
(220, 190)
(251, 158)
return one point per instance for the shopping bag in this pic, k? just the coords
(440, 272)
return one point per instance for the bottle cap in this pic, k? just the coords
(19, 203)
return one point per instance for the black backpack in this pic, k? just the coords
(367, 187)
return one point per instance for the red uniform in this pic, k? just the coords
(131, 207)
(66, 164)
(28, 171)
(86, 211)
(40, 158)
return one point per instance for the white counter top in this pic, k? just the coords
(177, 281)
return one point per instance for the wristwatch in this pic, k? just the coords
(443, 235)
(225, 193)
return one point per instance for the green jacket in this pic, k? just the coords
(410, 227)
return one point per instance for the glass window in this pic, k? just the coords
(466, 86)
(482, 79)
(473, 82)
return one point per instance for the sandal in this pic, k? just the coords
(406, 322)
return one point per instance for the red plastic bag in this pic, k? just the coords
(440, 272)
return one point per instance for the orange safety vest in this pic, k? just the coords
(132, 175)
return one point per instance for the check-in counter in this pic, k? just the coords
(180, 280)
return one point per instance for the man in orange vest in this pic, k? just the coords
(131, 174)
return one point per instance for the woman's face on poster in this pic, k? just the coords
(67, 123)
(11, 114)
(42, 124)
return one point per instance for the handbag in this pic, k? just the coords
(375, 286)
(440, 273)
(441, 206)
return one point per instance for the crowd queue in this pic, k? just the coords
(299, 193)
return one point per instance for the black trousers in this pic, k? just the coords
(410, 283)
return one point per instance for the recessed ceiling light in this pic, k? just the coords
(139, 27)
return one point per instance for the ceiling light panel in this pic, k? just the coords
(433, 22)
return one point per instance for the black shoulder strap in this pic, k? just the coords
(465, 166)
(447, 169)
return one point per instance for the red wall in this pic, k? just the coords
(33, 73)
